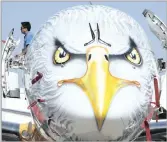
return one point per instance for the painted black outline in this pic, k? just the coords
(93, 37)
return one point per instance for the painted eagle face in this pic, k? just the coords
(97, 68)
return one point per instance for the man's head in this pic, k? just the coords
(25, 27)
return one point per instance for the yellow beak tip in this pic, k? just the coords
(99, 123)
(99, 128)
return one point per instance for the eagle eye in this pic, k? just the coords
(60, 56)
(134, 57)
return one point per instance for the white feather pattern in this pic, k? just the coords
(72, 114)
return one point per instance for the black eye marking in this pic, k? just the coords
(132, 43)
(106, 57)
(58, 43)
(89, 57)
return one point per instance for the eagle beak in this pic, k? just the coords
(98, 84)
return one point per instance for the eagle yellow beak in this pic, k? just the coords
(98, 84)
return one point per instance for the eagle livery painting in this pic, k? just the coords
(91, 76)
(97, 71)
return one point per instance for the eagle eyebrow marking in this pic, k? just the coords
(132, 43)
(58, 43)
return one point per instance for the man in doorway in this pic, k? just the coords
(28, 36)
